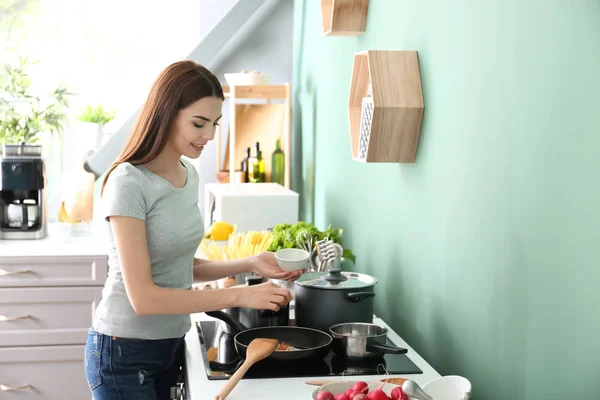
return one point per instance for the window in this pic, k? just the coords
(107, 51)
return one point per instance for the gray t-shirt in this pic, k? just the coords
(174, 229)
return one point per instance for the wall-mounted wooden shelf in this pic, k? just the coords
(344, 17)
(390, 130)
(257, 115)
(258, 92)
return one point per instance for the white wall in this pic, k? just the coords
(267, 49)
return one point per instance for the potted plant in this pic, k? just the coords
(24, 115)
(97, 116)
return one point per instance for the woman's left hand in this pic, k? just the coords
(265, 264)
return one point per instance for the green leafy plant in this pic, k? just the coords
(24, 114)
(97, 115)
(284, 236)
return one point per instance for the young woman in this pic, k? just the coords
(150, 200)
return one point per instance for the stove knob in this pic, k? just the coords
(17, 169)
(177, 393)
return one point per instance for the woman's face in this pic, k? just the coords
(195, 126)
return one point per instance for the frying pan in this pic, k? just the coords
(312, 344)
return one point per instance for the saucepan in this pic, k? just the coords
(307, 344)
(358, 341)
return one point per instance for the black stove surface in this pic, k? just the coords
(221, 361)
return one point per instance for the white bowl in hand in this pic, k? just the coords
(292, 259)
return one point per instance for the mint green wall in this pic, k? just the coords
(488, 247)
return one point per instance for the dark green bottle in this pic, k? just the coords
(278, 165)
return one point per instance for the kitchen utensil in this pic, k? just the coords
(449, 387)
(412, 389)
(304, 240)
(391, 381)
(327, 253)
(312, 344)
(348, 296)
(258, 349)
(292, 259)
(361, 341)
(340, 387)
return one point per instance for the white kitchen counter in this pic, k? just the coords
(199, 387)
(56, 244)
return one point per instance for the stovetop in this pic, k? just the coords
(221, 361)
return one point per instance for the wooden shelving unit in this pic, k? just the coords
(267, 93)
(391, 82)
(344, 17)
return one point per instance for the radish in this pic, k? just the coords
(341, 396)
(349, 393)
(378, 395)
(398, 394)
(360, 396)
(325, 395)
(361, 387)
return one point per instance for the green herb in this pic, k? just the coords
(97, 115)
(284, 236)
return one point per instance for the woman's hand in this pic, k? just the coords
(265, 264)
(266, 296)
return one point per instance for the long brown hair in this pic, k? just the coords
(179, 85)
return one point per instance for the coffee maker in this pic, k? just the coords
(22, 192)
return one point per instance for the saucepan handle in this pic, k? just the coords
(381, 348)
(235, 325)
(359, 296)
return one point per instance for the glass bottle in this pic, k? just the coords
(259, 168)
(246, 166)
(278, 164)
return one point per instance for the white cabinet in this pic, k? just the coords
(43, 373)
(46, 308)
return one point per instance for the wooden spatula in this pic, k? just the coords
(258, 350)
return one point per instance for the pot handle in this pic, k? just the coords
(359, 296)
(381, 348)
(235, 325)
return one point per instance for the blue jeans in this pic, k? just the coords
(131, 369)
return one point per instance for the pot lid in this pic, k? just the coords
(335, 279)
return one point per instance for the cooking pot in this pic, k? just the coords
(360, 341)
(251, 318)
(324, 299)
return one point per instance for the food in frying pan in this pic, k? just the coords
(283, 346)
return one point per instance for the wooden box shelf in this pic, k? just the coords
(391, 83)
(257, 117)
(344, 17)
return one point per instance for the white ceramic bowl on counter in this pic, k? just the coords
(341, 387)
(450, 387)
(292, 259)
(247, 79)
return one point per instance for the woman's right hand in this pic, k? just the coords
(265, 296)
